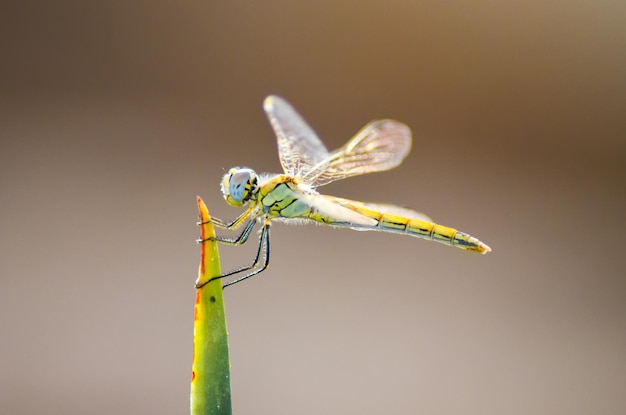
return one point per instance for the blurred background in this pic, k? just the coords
(115, 115)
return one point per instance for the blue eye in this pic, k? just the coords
(238, 185)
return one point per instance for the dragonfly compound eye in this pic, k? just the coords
(238, 186)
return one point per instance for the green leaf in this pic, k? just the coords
(210, 375)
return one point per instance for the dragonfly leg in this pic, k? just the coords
(241, 239)
(235, 223)
(266, 261)
(264, 240)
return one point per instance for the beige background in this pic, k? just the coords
(114, 115)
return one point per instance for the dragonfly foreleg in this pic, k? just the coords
(264, 240)
(241, 239)
(234, 224)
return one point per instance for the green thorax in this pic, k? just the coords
(280, 197)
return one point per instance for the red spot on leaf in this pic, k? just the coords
(195, 309)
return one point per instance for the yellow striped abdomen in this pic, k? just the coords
(431, 231)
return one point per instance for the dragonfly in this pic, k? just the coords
(307, 164)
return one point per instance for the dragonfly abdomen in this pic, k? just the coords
(432, 231)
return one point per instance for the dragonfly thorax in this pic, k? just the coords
(239, 185)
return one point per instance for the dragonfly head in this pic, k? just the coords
(239, 185)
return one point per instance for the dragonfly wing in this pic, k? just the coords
(299, 148)
(384, 208)
(380, 145)
(327, 209)
(395, 211)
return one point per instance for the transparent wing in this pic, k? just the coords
(395, 211)
(380, 145)
(299, 148)
(384, 208)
